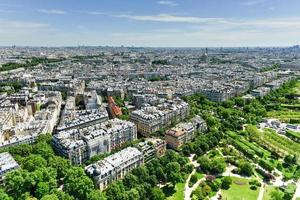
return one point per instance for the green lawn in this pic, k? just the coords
(240, 190)
(199, 175)
(176, 193)
(267, 193)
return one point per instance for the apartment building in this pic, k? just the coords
(23, 124)
(115, 167)
(7, 164)
(179, 135)
(80, 144)
(151, 148)
(151, 118)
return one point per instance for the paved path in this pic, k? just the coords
(228, 172)
(297, 193)
(217, 196)
(188, 190)
(261, 192)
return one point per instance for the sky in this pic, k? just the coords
(150, 23)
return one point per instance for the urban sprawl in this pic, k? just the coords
(127, 104)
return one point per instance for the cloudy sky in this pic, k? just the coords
(158, 23)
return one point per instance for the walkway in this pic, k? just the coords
(297, 193)
(188, 190)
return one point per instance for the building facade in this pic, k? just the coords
(81, 144)
(115, 167)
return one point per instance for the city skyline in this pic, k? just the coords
(153, 23)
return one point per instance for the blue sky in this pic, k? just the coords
(158, 23)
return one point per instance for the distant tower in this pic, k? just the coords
(113, 72)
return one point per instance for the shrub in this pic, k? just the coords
(253, 187)
(226, 182)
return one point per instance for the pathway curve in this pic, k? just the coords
(228, 172)
(297, 193)
(188, 190)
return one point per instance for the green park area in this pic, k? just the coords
(239, 190)
(287, 105)
(281, 144)
(176, 193)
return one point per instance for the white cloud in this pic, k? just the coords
(171, 18)
(9, 24)
(95, 13)
(224, 23)
(53, 11)
(205, 38)
(253, 2)
(167, 3)
(197, 32)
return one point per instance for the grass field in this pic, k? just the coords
(199, 175)
(240, 190)
(176, 193)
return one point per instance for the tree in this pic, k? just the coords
(215, 185)
(141, 173)
(204, 163)
(130, 181)
(95, 195)
(198, 193)
(157, 194)
(21, 150)
(277, 195)
(18, 182)
(44, 149)
(246, 169)
(50, 197)
(152, 180)
(47, 175)
(172, 167)
(60, 164)
(290, 160)
(160, 175)
(175, 178)
(133, 194)
(62, 195)
(226, 182)
(44, 138)
(77, 183)
(289, 191)
(116, 191)
(218, 165)
(34, 162)
(194, 179)
(206, 190)
(42, 189)
(4, 196)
